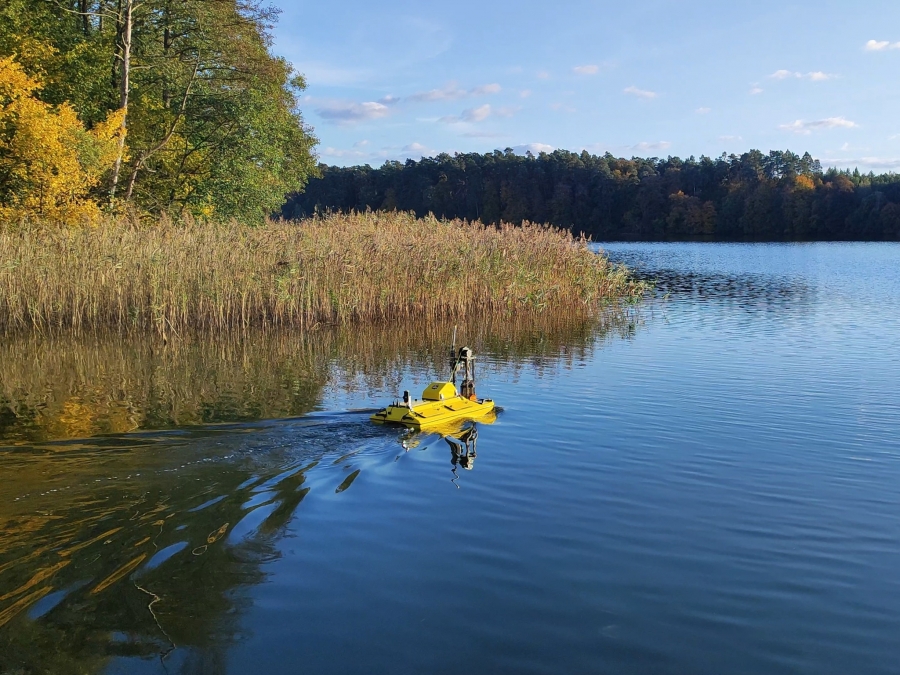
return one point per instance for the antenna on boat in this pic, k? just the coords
(453, 356)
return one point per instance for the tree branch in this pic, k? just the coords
(159, 146)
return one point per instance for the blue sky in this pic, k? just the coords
(394, 79)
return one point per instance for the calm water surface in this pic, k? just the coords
(710, 484)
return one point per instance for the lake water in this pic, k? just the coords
(709, 483)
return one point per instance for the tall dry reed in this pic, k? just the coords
(169, 277)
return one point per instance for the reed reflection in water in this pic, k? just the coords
(65, 387)
(146, 485)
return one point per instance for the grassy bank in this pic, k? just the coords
(170, 277)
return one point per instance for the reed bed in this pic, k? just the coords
(171, 277)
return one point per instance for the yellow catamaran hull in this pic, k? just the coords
(440, 404)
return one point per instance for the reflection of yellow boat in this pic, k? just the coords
(462, 448)
(441, 403)
(457, 429)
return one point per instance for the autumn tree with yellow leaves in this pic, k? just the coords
(208, 118)
(49, 162)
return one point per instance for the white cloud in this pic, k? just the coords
(418, 150)
(596, 148)
(756, 91)
(586, 70)
(486, 89)
(876, 45)
(452, 92)
(345, 154)
(619, 150)
(542, 75)
(478, 114)
(880, 45)
(806, 128)
(562, 107)
(640, 93)
(449, 92)
(413, 150)
(645, 146)
(533, 148)
(525, 93)
(873, 163)
(703, 111)
(361, 144)
(349, 113)
(817, 76)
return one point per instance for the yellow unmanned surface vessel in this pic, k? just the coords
(441, 402)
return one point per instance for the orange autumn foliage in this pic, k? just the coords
(804, 183)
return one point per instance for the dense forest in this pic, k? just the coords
(776, 197)
(173, 106)
(180, 107)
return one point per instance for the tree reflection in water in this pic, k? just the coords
(146, 487)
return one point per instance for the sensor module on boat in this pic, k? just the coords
(441, 402)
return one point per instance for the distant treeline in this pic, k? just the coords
(776, 197)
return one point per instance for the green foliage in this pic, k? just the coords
(212, 117)
(216, 130)
(74, 58)
(779, 196)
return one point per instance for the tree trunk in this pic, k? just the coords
(167, 43)
(85, 21)
(124, 86)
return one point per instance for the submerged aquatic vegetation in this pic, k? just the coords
(169, 277)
